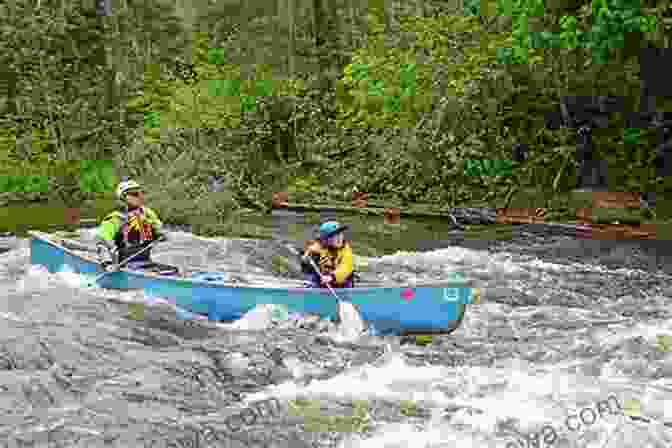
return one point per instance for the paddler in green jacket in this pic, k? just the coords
(124, 232)
(332, 255)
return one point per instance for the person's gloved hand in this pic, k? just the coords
(108, 253)
(111, 267)
(326, 279)
(308, 260)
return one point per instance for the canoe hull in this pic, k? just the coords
(426, 309)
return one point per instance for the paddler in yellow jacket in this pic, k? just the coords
(332, 255)
(124, 232)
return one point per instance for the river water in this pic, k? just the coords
(568, 349)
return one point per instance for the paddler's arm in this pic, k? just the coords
(311, 248)
(344, 268)
(105, 234)
(107, 230)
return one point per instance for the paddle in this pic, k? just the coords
(341, 305)
(314, 266)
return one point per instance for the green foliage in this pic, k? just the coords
(225, 87)
(413, 106)
(395, 90)
(216, 56)
(631, 136)
(24, 184)
(96, 176)
(601, 32)
(152, 120)
(487, 167)
(472, 7)
(217, 100)
(382, 92)
(304, 184)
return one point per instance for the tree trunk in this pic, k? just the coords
(591, 174)
(421, 8)
(291, 51)
(322, 19)
(104, 7)
(647, 102)
(320, 22)
(184, 9)
(12, 79)
(354, 24)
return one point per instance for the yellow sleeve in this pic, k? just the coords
(153, 219)
(344, 268)
(109, 228)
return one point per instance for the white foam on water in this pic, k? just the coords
(16, 253)
(410, 436)
(39, 277)
(351, 327)
(190, 236)
(71, 278)
(483, 399)
(12, 317)
(36, 278)
(647, 332)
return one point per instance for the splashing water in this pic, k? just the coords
(550, 340)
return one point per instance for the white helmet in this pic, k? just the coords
(126, 186)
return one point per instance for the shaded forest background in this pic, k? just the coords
(214, 105)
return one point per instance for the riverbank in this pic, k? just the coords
(373, 237)
(572, 215)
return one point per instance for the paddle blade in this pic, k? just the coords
(351, 325)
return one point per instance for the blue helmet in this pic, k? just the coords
(330, 228)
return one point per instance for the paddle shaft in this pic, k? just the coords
(317, 270)
(123, 262)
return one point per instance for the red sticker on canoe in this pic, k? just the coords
(407, 294)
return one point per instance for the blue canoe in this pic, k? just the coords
(417, 309)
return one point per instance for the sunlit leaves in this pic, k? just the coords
(395, 88)
(263, 87)
(385, 92)
(216, 56)
(96, 176)
(224, 87)
(376, 87)
(392, 104)
(407, 80)
(505, 7)
(568, 34)
(357, 71)
(247, 103)
(631, 136)
(611, 19)
(487, 168)
(472, 7)
(152, 120)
